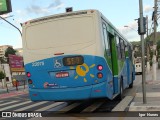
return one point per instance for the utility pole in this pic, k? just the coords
(148, 47)
(147, 24)
(154, 42)
(142, 32)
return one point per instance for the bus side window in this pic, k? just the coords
(126, 49)
(130, 52)
(122, 49)
(118, 47)
(106, 40)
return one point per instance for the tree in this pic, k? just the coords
(2, 75)
(2, 60)
(10, 50)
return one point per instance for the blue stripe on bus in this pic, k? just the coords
(43, 72)
(78, 85)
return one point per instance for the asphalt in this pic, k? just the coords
(137, 104)
(152, 95)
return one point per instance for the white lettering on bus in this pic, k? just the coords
(36, 64)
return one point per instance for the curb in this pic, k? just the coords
(144, 108)
(150, 106)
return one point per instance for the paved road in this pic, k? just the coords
(22, 103)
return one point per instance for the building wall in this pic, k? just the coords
(6, 69)
(19, 51)
(3, 49)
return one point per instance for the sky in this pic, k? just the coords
(120, 12)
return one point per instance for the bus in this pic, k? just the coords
(76, 55)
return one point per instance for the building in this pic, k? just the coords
(7, 69)
(3, 49)
(8, 80)
(19, 51)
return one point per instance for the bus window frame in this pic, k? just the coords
(105, 39)
(118, 47)
(130, 52)
(122, 49)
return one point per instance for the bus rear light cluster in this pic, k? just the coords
(30, 81)
(28, 74)
(100, 67)
(99, 75)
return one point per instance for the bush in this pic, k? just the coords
(2, 75)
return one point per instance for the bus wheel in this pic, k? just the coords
(131, 85)
(120, 96)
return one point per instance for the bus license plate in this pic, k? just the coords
(62, 74)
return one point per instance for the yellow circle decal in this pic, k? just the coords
(80, 71)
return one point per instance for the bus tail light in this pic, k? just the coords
(28, 74)
(100, 67)
(99, 75)
(30, 81)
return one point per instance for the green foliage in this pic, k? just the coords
(2, 60)
(149, 40)
(135, 43)
(2, 75)
(137, 54)
(10, 50)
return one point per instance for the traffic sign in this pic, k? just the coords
(5, 6)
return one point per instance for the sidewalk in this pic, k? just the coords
(152, 95)
(13, 92)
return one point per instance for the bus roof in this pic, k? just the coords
(67, 14)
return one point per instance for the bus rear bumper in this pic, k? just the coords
(79, 93)
(60, 94)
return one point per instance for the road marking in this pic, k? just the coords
(123, 104)
(50, 106)
(30, 106)
(93, 107)
(8, 103)
(132, 104)
(12, 106)
(67, 108)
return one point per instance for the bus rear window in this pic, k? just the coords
(61, 32)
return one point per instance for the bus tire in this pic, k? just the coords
(131, 85)
(120, 96)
